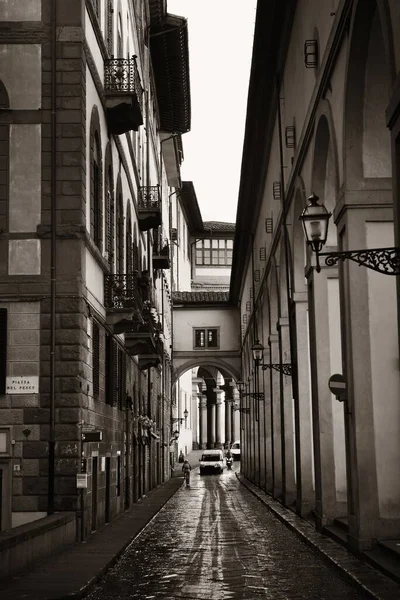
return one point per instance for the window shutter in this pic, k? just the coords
(96, 359)
(3, 349)
(109, 372)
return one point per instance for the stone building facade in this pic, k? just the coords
(90, 152)
(322, 119)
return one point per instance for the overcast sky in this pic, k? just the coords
(220, 47)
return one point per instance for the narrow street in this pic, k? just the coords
(216, 541)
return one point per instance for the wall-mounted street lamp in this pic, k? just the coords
(181, 419)
(315, 220)
(242, 394)
(175, 437)
(258, 357)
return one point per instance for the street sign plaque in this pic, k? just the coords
(338, 386)
(81, 480)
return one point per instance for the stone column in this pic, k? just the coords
(273, 342)
(211, 440)
(303, 418)
(203, 422)
(289, 482)
(218, 410)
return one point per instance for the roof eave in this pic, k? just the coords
(271, 38)
(169, 47)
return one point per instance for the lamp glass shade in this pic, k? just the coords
(315, 220)
(258, 351)
(240, 385)
(185, 413)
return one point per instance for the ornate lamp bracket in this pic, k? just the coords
(285, 368)
(382, 260)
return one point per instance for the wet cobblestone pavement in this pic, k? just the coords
(216, 541)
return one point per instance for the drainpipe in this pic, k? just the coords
(50, 493)
(292, 314)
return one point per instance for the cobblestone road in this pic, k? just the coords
(216, 541)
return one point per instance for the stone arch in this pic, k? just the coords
(4, 161)
(96, 180)
(205, 361)
(325, 176)
(370, 68)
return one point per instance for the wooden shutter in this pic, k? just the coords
(96, 359)
(109, 370)
(3, 349)
(123, 380)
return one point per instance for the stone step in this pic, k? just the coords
(386, 557)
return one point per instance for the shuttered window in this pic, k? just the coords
(96, 359)
(109, 370)
(3, 349)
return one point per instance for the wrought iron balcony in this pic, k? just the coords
(161, 257)
(123, 301)
(149, 204)
(124, 93)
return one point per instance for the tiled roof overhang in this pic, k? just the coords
(219, 226)
(169, 49)
(271, 39)
(211, 297)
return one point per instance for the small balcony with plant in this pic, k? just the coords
(123, 92)
(123, 301)
(149, 206)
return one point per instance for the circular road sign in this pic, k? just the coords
(337, 385)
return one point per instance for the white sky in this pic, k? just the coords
(220, 48)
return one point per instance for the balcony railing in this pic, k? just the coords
(124, 94)
(149, 203)
(121, 76)
(149, 197)
(123, 291)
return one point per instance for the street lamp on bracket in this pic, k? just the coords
(181, 419)
(258, 357)
(315, 220)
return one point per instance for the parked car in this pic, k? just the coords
(235, 449)
(211, 461)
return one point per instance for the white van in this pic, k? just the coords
(211, 461)
(235, 449)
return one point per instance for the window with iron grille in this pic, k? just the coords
(109, 20)
(206, 338)
(248, 306)
(257, 275)
(290, 136)
(244, 318)
(214, 252)
(263, 253)
(276, 190)
(3, 349)
(96, 358)
(120, 237)
(268, 225)
(311, 54)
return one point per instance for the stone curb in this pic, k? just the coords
(365, 577)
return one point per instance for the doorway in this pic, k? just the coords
(94, 492)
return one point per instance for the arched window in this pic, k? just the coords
(129, 255)
(4, 161)
(119, 264)
(110, 210)
(96, 189)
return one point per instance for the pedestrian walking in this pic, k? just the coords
(186, 468)
(181, 458)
